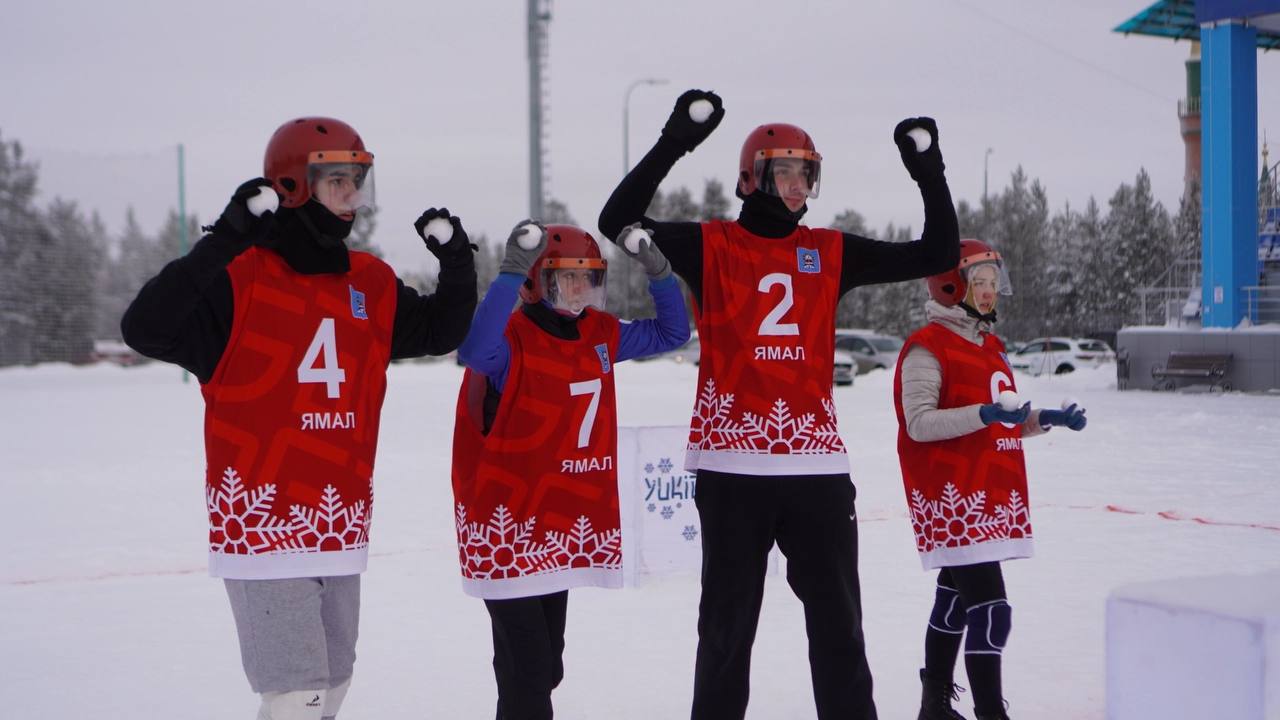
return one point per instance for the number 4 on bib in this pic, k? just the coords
(326, 342)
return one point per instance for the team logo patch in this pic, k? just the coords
(357, 304)
(807, 261)
(602, 351)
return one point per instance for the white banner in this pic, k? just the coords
(661, 534)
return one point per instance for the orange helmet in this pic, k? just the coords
(770, 142)
(300, 147)
(951, 287)
(568, 248)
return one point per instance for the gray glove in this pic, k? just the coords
(654, 262)
(520, 260)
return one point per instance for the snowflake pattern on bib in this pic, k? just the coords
(779, 432)
(241, 521)
(506, 548)
(955, 520)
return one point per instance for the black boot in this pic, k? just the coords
(936, 697)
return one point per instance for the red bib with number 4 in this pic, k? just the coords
(291, 418)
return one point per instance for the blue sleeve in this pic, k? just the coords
(485, 348)
(668, 331)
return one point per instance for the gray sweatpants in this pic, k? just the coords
(296, 634)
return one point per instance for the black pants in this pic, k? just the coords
(811, 517)
(528, 653)
(976, 584)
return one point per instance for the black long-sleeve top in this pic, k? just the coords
(183, 315)
(865, 261)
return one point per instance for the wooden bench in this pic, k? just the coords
(1194, 365)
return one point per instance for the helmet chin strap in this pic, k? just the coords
(989, 318)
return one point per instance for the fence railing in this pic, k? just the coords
(1262, 304)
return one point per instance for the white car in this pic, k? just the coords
(1059, 355)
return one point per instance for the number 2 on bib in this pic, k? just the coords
(770, 324)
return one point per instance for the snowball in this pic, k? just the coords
(1069, 401)
(264, 202)
(700, 110)
(633, 239)
(921, 138)
(439, 228)
(1008, 400)
(530, 236)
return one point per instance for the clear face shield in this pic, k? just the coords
(342, 181)
(790, 174)
(573, 284)
(986, 280)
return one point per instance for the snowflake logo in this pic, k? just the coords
(780, 431)
(648, 468)
(240, 521)
(500, 548)
(651, 507)
(665, 465)
(956, 520)
(690, 532)
(582, 547)
(667, 512)
(332, 526)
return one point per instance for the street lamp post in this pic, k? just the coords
(626, 166)
(626, 119)
(984, 174)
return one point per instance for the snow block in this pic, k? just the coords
(1204, 647)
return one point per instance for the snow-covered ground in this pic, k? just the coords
(106, 610)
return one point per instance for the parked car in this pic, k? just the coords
(870, 349)
(1059, 355)
(844, 368)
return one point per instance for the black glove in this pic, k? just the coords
(519, 260)
(252, 228)
(454, 253)
(994, 413)
(924, 166)
(685, 130)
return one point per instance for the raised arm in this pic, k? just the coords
(183, 315)
(670, 329)
(869, 262)
(680, 241)
(436, 324)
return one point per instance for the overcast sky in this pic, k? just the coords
(100, 93)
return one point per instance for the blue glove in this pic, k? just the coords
(1072, 417)
(993, 413)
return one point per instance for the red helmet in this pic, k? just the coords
(950, 288)
(302, 144)
(568, 248)
(768, 142)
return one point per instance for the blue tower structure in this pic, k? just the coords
(1230, 32)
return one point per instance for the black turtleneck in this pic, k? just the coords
(183, 315)
(865, 261)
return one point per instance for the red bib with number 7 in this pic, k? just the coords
(536, 499)
(767, 329)
(291, 418)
